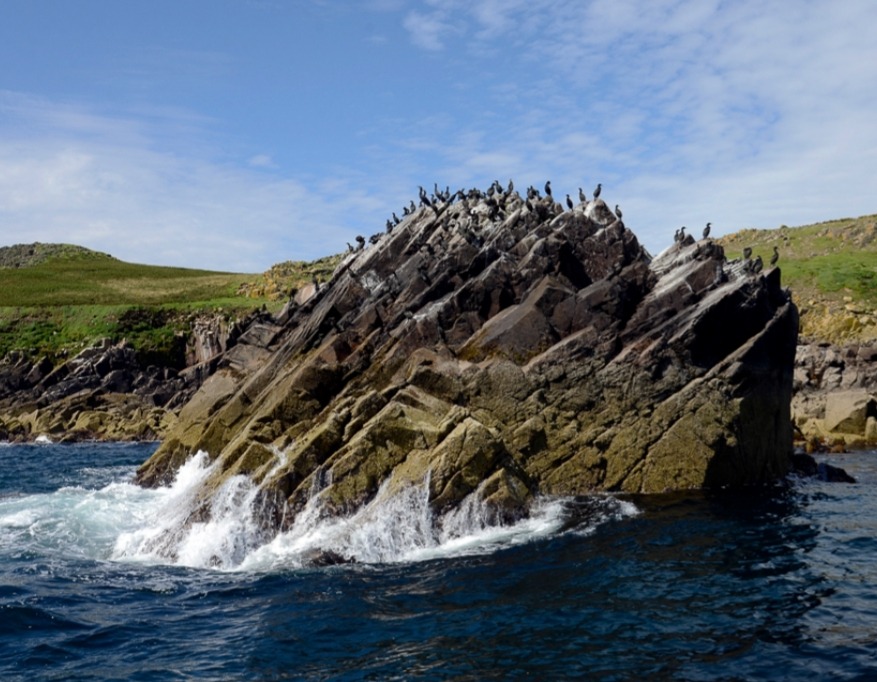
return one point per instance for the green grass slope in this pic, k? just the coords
(56, 298)
(831, 268)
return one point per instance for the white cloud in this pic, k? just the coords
(427, 30)
(117, 185)
(741, 113)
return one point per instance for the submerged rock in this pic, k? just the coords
(506, 348)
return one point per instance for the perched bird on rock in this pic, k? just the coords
(548, 188)
(569, 202)
(597, 191)
(617, 212)
(682, 233)
(706, 230)
(582, 196)
(775, 257)
(757, 265)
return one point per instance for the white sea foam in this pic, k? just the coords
(174, 525)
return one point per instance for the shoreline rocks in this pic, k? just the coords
(835, 401)
(104, 392)
(500, 348)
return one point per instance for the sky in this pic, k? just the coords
(235, 134)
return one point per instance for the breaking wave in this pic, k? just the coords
(122, 522)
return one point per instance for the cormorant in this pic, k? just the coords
(511, 187)
(706, 230)
(361, 241)
(582, 197)
(617, 212)
(396, 220)
(682, 233)
(757, 265)
(350, 246)
(747, 253)
(597, 191)
(775, 257)
(676, 236)
(548, 188)
(569, 202)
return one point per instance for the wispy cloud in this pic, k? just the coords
(740, 113)
(128, 187)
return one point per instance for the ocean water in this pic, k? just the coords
(101, 580)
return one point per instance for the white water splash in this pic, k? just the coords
(173, 525)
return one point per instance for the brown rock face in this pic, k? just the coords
(507, 348)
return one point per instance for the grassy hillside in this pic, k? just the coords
(830, 267)
(55, 298)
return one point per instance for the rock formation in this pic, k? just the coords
(836, 394)
(105, 392)
(497, 347)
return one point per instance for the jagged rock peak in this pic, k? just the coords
(502, 347)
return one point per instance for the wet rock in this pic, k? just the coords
(502, 349)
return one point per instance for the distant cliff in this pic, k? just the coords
(494, 347)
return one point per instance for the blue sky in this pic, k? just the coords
(234, 134)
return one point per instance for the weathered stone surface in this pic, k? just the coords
(505, 347)
(848, 411)
(826, 378)
(104, 392)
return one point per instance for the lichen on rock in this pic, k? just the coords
(502, 346)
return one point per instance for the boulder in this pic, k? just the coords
(500, 348)
(848, 411)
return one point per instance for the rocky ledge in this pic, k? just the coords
(493, 347)
(105, 392)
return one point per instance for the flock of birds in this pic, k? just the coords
(495, 199)
(750, 266)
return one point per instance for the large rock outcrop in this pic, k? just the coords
(106, 392)
(501, 346)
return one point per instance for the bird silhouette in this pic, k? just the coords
(617, 212)
(775, 257)
(548, 188)
(706, 230)
(597, 191)
(569, 202)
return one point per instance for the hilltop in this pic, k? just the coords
(57, 298)
(831, 269)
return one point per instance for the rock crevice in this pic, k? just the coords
(502, 346)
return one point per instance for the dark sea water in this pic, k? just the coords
(777, 584)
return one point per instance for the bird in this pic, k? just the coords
(676, 236)
(757, 265)
(597, 191)
(569, 202)
(706, 230)
(511, 187)
(682, 233)
(775, 257)
(582, 196)
(747, 253)
(548, 188)
(617, 212)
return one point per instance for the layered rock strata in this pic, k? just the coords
(105, 392)
(505, 347)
